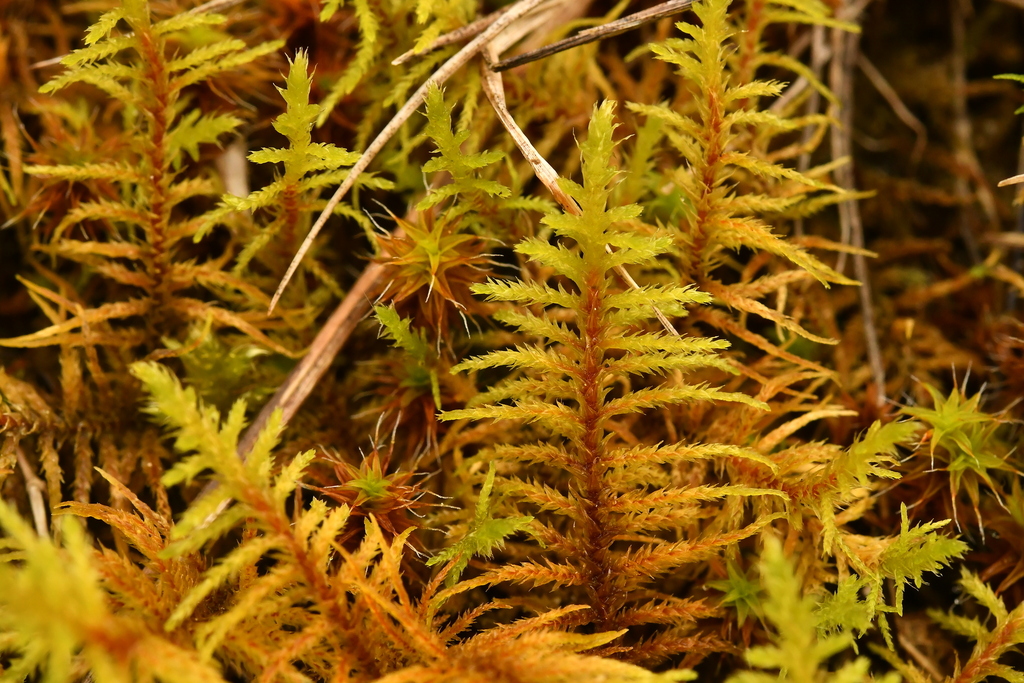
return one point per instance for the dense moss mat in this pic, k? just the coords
(693, 352)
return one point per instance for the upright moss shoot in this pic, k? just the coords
(607, 495)
(144, 230)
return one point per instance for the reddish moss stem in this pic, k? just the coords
(315, 577)
(709, 174)
(157, 180)
(598, 532)
(982, 664)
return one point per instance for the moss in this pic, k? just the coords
(622, 424)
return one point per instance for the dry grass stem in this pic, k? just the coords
(325, 347)
(923, 661)
(456, 62)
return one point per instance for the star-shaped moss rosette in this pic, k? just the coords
(965, 439)
(431, 267)
(370, 489)
(739, 592)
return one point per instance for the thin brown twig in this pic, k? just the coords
(457, 36)
(845, 47)
(214, 6)
(538, 21)
(300, 383)
(454, 63)
(919, 657)
(612, 28)
(896, 104)
(494, 88)
(843, 138)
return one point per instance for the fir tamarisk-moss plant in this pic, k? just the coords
(141, 257)
(609, 503)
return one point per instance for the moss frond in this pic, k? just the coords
(991, 643)
(607, 493)
(60, 622)
(797, 653)
(143, 230)
(484, 535)
(730, 195)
